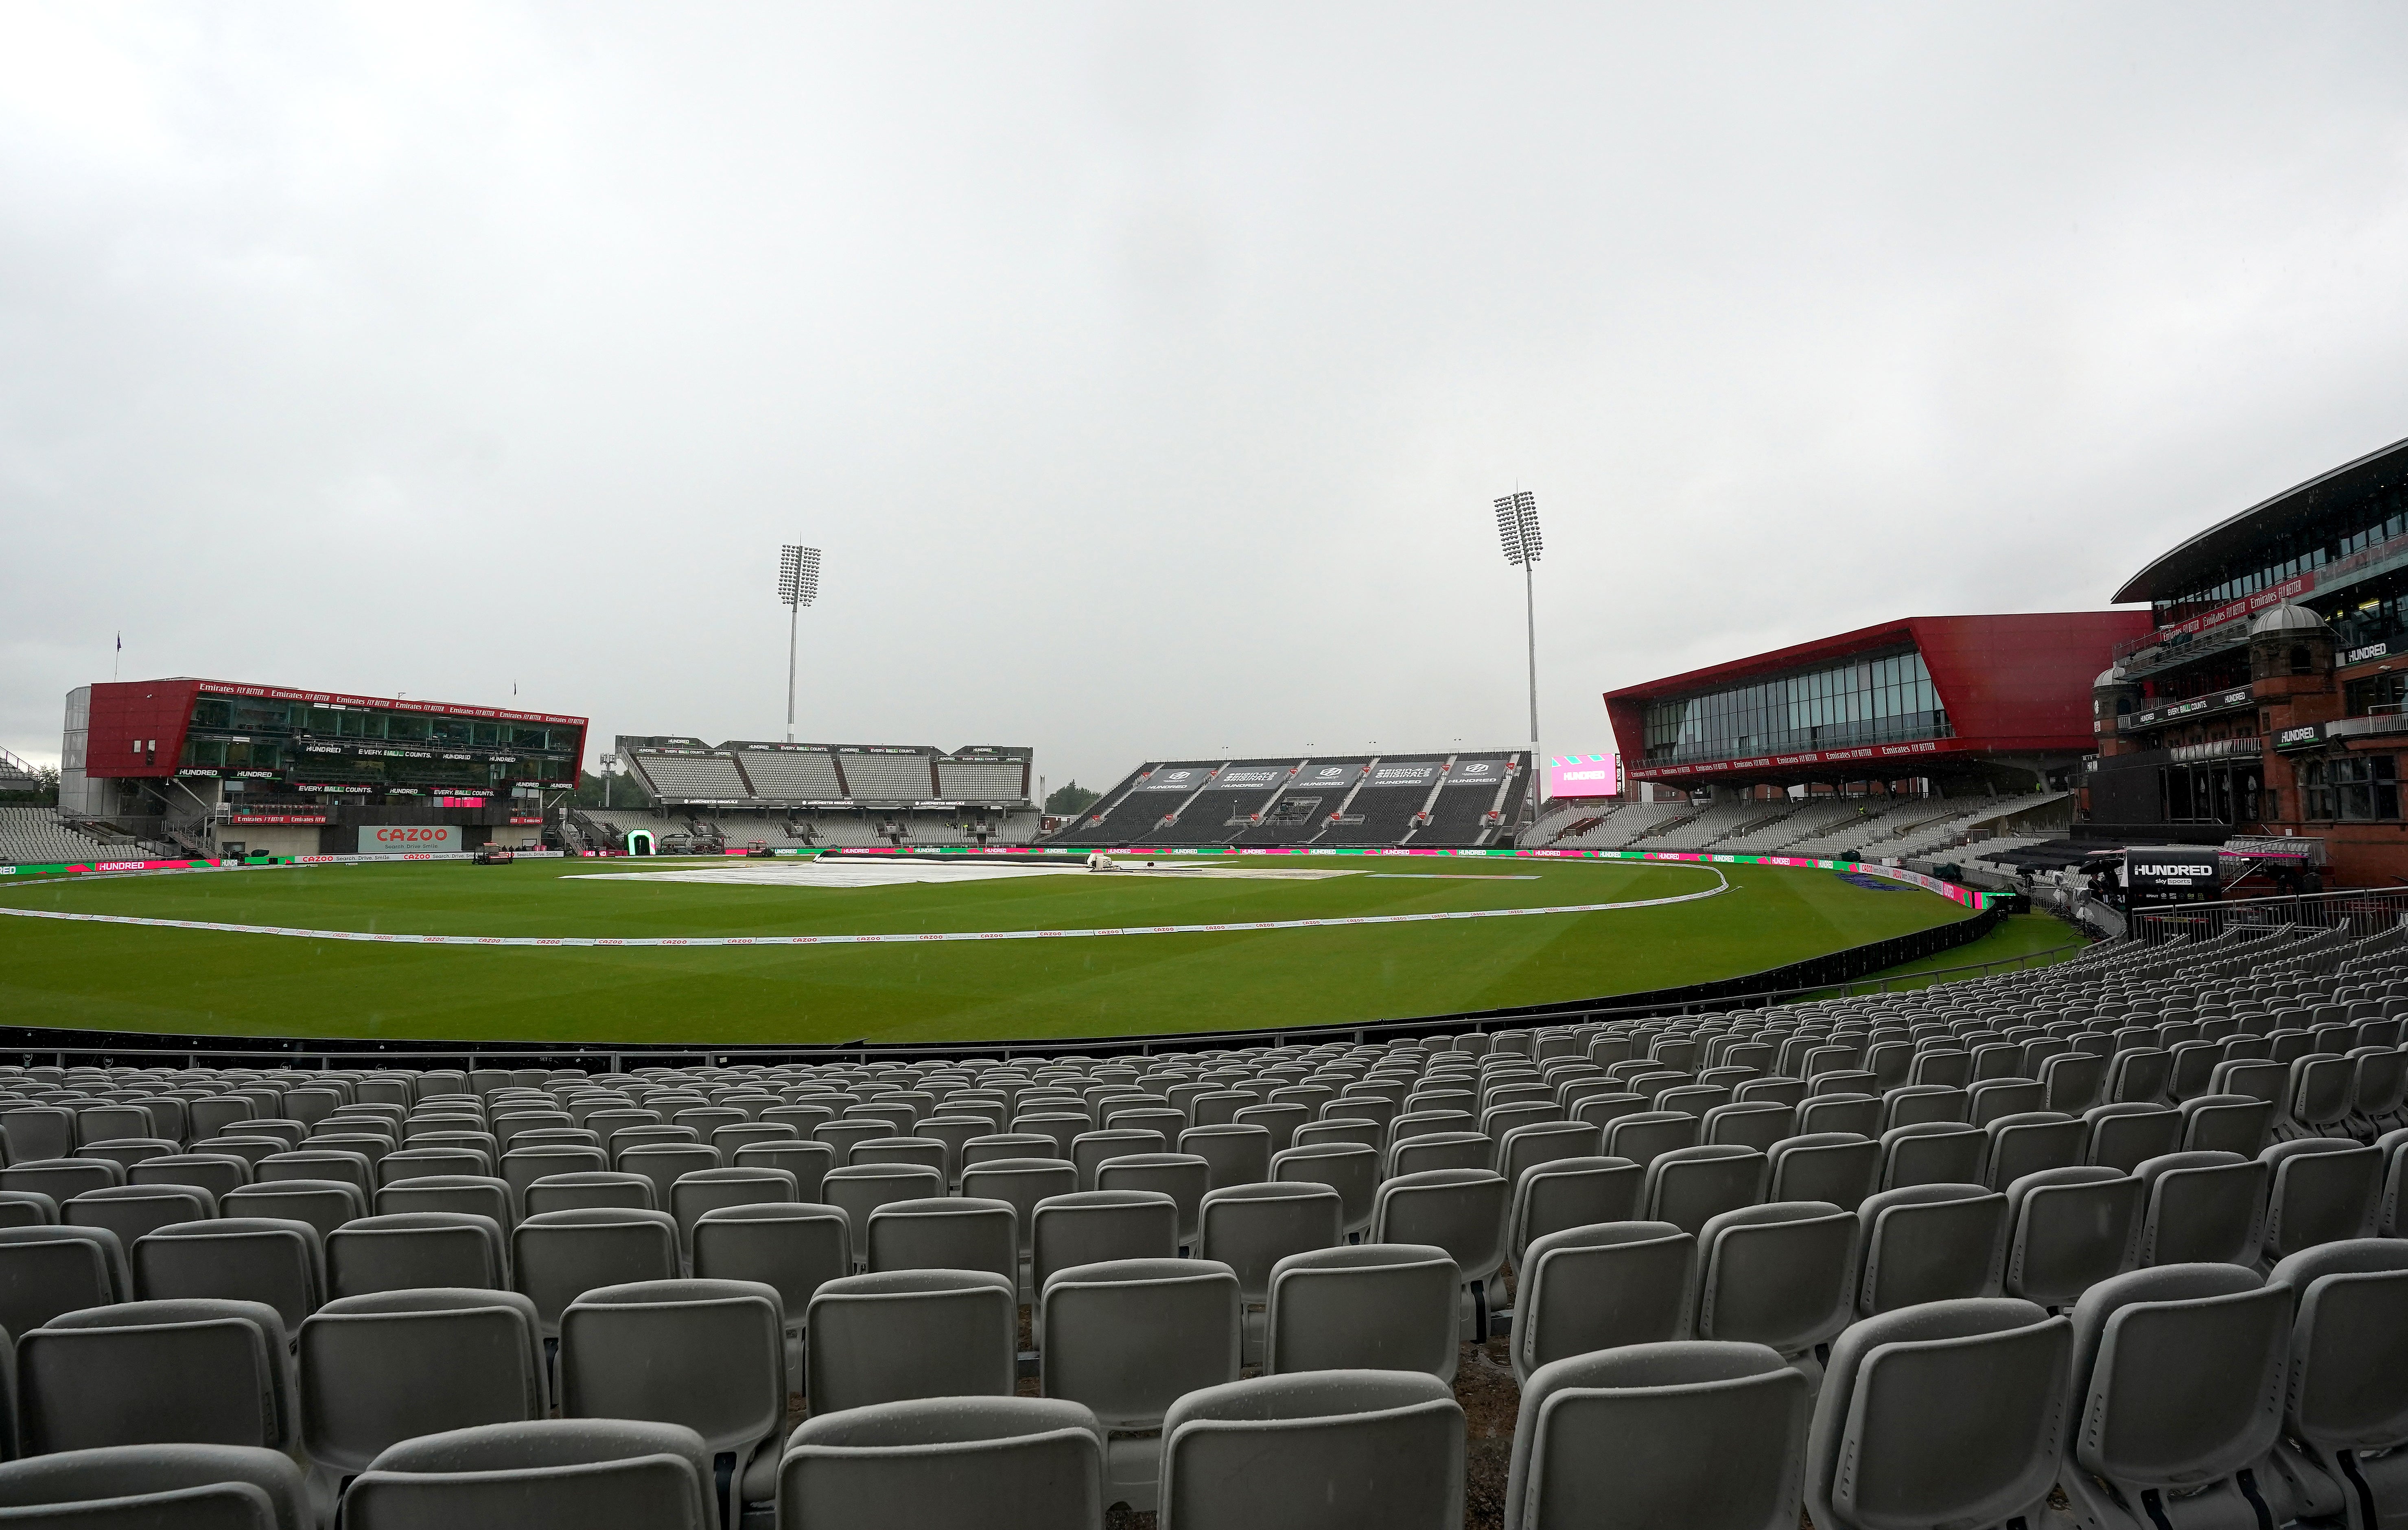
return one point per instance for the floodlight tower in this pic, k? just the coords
(798, 585)
(1517, 529)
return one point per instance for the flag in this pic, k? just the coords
(121, 642)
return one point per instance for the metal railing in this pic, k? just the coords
(2360, 911)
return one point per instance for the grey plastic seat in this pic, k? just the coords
(522, 1165)
(1525, 1147)
(1647, 1134)
(1459, 1211)
(1252, 1227)
(1276, 1451)
(380, 1370)
(1839, 1168)
(1856, 1115)
(576, 1190)
(2316, 1097)
(2202, 1208)
(1617, 1440)
(219, 1173)
(1008, 1462)
(47, 1271)
(2068, 1229)
(2125, 1137)
(2139, 1076)
(131, 1211)
(795, 1247)
(1933, 1152)
(1348, 1169)
(904, 1334)
(1128, 1338)
(157, 1487)
(1183, 1177)
(1372, 1306)
(1751, 1123)
(923, 1151)
(807, 1162)
(1989, 1099)
(314, 1164)
(408, 1251)
(707, 1355)
(2030, 1143)
(1020, 1181)
(1100, 1226)
(555, 1256)
(62, 1178)
(1565, 1193)
(1915, 1104)
(1690, 1186)
(998, 1147)
(279, 1263)
(2391, 1208)
(1602, 1109)
(2319, 1190)
(1952, 1413)
(1090, 1151)
(38, 1132)
(473, 1195)
(543, 1474)
(860, 1189)
(1596, 1288)
(1439, 1149)
(1929, 1243)
(27, 1208)
(707, 1190)
(2212, 1336)
(956, 1232)
(197, 1372)
(662, 1163)
(323, 1204)
(1780, 1275)
(2237, 1123)
(2074, 1080)
(1237, 1153)
(2346, 1396)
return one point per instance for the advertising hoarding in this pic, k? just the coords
(410, 840)
(1584, 775)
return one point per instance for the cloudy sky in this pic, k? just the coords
(1146, 371)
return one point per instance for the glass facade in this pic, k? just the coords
(2375, 514)
(399, 753)
(1877, 699)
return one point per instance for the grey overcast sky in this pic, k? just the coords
(1146, 371)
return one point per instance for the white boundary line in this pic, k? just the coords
(1722, 884)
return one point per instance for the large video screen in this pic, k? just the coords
(1583, 776)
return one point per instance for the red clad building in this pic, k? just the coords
(223, 767)
(1969, 703)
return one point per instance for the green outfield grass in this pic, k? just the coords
(145, 978)
(2022, 941)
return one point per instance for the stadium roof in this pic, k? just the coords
(2188, 565)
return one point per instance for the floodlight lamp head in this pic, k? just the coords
(1517, 527)
(798, 575)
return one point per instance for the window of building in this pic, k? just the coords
(1885, 698)
(2354, 788)
(2374, 694)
